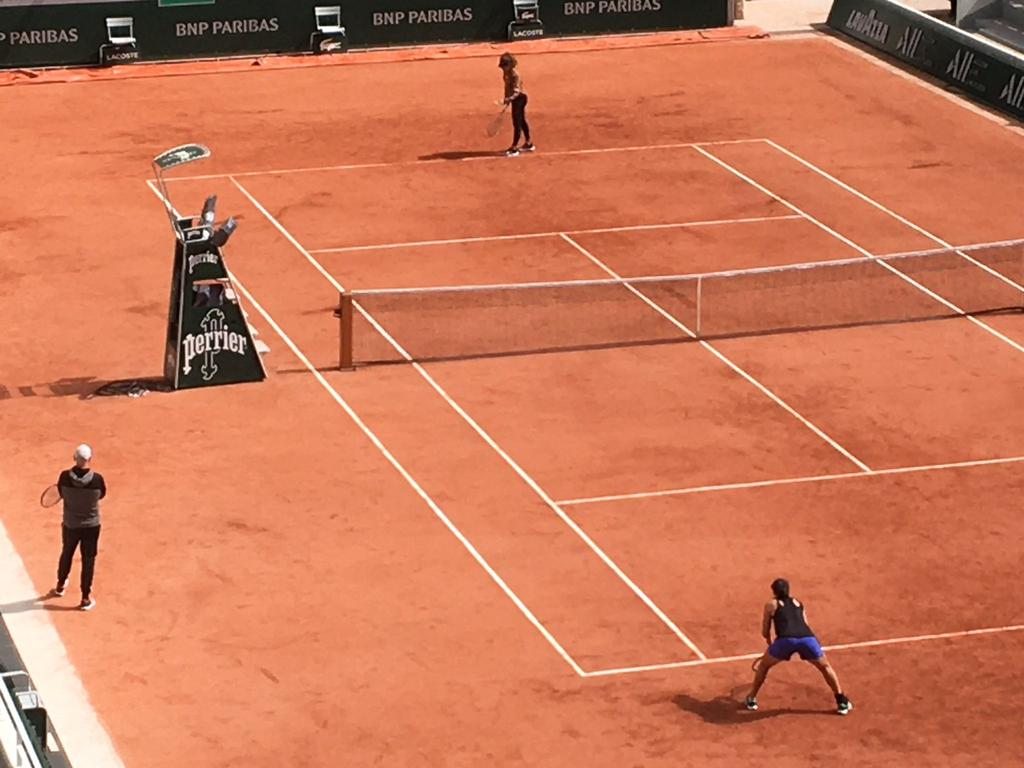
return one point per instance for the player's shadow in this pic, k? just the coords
(40, 603)
(464, 155)
(727, 710)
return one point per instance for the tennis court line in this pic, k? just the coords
(829, 648)
(789, 481)
(860, 249)
(412, 482)
(540, 235)
(523, 475)
(901, 219)
(721, 356)
(85, 740)
(379, 445)
(436, 161)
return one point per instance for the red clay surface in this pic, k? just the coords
(269, 585)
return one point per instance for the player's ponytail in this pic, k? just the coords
(780, 588)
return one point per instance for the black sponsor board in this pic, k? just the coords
(56, 33)
(405, 22)
(60, 33)
(989, 74)
(575, 17)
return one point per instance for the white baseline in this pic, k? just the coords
(829, 648)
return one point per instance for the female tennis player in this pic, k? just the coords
(516, 97)
(792, 635)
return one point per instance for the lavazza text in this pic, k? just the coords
(226, 27)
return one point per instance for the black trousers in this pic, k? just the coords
(89, 539)
(519, 124)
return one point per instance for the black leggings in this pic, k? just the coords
(89, 538)
(519, 124)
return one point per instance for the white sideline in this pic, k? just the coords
(842, 238)
(86, 742)
(828, 648)
(379, 445)
(903, 220)
(789, 481)
(434, 161)
(540, 235)
(526, 478)
(721, 356)
(411, 481)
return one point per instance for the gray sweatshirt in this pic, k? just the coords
(81, 490)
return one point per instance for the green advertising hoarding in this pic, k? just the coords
(70, 32)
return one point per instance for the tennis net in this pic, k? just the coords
(458, 322)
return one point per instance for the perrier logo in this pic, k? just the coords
(215, 339)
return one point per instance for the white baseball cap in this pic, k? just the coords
(83, 452)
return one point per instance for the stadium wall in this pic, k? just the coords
(990, 74)
(70, 32)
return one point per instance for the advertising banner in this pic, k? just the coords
(71, 32)
(990, 74)
(577, 17)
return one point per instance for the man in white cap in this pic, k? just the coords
(81, 489)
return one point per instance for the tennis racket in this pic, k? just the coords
(758, 661)
(496, 122)
(50, 497)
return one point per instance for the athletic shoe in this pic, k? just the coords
(60, 589)
(751, 704)
(512, 152)
(843, 705)
(528, 147)
(87, 604)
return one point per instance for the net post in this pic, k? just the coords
(344, 314)
(700, 284)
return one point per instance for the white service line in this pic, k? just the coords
(860, 249)
(903, 220)
(435, 161)
(523, 475)
(788, 481)
(721, 356)
(539, 235)
(86, 741)
(829, 648)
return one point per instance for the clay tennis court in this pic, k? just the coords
(544, 558)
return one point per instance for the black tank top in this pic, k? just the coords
(789, 619)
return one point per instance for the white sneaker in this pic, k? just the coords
(87, 604)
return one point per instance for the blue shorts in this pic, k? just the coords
(784, 647)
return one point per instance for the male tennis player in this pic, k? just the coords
(792, 635)
(81, 489)
(516, 97)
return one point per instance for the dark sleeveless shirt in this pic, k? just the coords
(789, 620)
